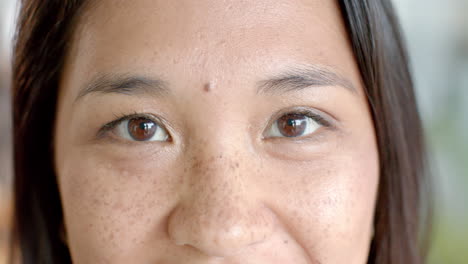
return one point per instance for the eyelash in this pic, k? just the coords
(308, 113)
(299, 111)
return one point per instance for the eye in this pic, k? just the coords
(139, 128)
(294, 125)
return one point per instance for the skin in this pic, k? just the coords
(219, 191)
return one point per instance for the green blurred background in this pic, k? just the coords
(437, 36)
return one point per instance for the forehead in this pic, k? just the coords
(209, 38)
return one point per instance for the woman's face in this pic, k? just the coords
(215, 132)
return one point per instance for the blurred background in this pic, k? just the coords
(437, 37)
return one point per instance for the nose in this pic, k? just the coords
(219, 215)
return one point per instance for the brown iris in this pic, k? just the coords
(292, 125)
(141, 129)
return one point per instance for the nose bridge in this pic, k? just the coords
(215, 154)
(214, 180)
(218, 214)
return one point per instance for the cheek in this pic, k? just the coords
(111, 205)
(329, 203)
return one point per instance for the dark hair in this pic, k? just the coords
(44, 32)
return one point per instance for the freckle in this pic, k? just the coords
(197, 164)
(201, 35)
(192, 183)
(96, 201)
(118, 206)
(285, 241)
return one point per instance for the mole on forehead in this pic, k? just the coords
(207, 87)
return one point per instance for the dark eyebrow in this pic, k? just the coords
(124, 84)
(294, 79)
(300, 77)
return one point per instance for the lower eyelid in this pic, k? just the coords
(318, 136)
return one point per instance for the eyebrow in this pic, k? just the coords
(301, 77)
(292, 80)
(125, 84)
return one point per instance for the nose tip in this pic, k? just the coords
(221, 231)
